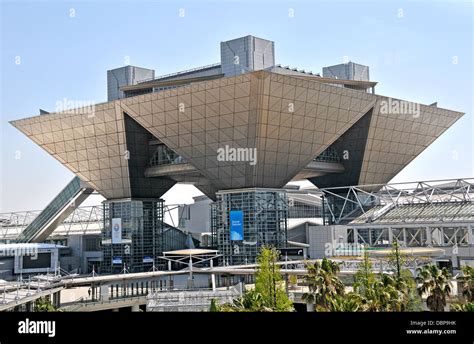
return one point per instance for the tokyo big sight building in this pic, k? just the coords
(154, 132)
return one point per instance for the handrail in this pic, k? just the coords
(180, 73)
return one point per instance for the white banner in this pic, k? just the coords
(116, 230)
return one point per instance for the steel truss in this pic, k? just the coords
(355, 201)
(83, 220)
(413, 235)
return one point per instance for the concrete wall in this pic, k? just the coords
(245, 54)
(347, 71)
(320, 236)
(462, 255)
(79, 256)
(196, 217)
(298, 233)
(128, 75)
(7, 265)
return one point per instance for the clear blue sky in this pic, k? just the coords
(67, 57)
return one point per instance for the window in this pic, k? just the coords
(92, 244)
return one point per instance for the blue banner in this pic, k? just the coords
(147, 259)
(236, 225)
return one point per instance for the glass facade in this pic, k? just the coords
(328, 155)
(165, 156)
(51, 210)
(141, 235)
(144, 235)
(299, 210)
(265, 214)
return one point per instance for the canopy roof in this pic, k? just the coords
(190, 252)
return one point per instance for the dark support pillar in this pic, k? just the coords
(56, 299)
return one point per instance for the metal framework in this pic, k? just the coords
(142, 234)
(370, 202)
(264, 222)
(328, 155)
(435, 213)
(190, 300)
(413, 235)
(83, 220)
(165, 156)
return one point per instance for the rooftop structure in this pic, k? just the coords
(245, 126)
(437, 215)
(347, 71)
(289, 118)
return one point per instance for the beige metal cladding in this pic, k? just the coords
(396, 137)
(89, 141)
(288, 120)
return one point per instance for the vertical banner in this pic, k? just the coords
(236, 225)
(116, 230)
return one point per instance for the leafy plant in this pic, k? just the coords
(323, 283)
(346, 303)
(466, 280)
(436, 284)
(44, 305)
(214, 306)
(269, 294)
(462, 307)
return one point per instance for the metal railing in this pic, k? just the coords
(166, 76)
(62, 200)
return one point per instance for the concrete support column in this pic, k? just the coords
(135, 308)
(356, 236)
(429, 238)
(57, 299)
(190, 277)
(390, 235)
(454, 259)
(470, 234)
(310, 307)
(213, 276)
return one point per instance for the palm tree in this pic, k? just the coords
(348, 303)
(436, 283)
(466, 280)
(323, 283)
(462, 307)
(380, 293)
(394, 290)
(383, 295)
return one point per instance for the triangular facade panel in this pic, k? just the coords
(259, 129)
